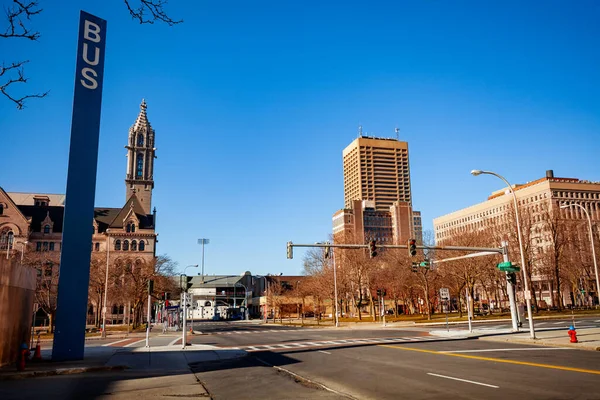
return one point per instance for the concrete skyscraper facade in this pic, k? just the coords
(377, 169)
(377, 192)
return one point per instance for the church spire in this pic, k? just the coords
(140, 160)
(142, 119)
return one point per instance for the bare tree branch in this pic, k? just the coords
(16, 26)
(155, 9)
(17, 67)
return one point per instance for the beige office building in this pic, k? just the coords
(376, 169)
(546, 193)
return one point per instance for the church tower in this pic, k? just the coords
(140, 160)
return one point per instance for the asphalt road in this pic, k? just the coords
(415, 366)
(379, 363)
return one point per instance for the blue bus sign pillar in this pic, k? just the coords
(71, 310)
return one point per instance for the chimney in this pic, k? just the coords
(549, 173)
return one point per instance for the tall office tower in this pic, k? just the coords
(377, 169)
(377, 196)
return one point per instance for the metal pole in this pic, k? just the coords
(511, 292)
(524, 266)
(148, 319)
(184, 298)
(335, 293)
(105, 285)
(202, 260)
(592, 243)
(266, 298)
(383, 308)
(468, 309)
(447, 305)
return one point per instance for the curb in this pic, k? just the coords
(59, 371)
(541, 342)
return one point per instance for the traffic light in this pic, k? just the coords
(150, 286)
(327, 251)
(415, 266)
(381, 292)
(412, 247)
(188, 283)
(372, 248)
(163, 296)
(511, 277)
(290, 250)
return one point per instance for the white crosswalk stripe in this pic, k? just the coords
(279, 346)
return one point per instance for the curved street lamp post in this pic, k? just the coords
(477, 172)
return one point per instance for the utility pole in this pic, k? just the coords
(150, 290)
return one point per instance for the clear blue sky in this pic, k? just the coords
(253, 102)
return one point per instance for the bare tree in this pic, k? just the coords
(19, 15)
(46, 292)
(150, 11)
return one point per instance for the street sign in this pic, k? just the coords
(508, 267)
(444, 294)
(72, 300)
(527, 294)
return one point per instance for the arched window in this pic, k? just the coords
(117, 245)
(140, 140)
(126, 245)
(1, 209)
(142, 245)
(46, 228)
(115, 309)
(140, 165)
(132, 227)
(45, 246)
(97, 246)
(121, 309)
(133, 245)
(128, 229)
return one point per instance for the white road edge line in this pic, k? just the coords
(512, 349)
(139, 341)
(323, 351)
(464, 380)
(111, 343)
(174, 341)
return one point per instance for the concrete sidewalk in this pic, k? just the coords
(159, 360)
(589, 338)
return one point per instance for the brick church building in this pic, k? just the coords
(32, 222)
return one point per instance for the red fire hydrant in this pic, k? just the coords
(573, 334)
(23, 356)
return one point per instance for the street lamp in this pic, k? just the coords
(477, 172)
(203, 242)
(106, 286)
(245, 298)
(592, 243)
(266, 297)
(184, 300)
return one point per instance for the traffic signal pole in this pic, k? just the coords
(511, 292)
(481, 251)
(183, 299)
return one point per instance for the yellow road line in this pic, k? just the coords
(500, 360)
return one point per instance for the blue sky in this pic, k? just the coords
(253, 103)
